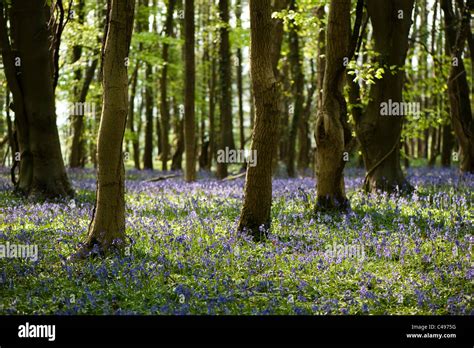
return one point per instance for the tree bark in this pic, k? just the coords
(107, 228)
(212, 109)
(331, 121)
(164, 105)
(238, 14)
(131, 119)
(258, 186)
(226, 133)
(462, 120)
(298, 90)
(447, 147)
(189, 107)
(77, 147)
(148, 151)
(379, 135)
(29, 76)
(176, 162)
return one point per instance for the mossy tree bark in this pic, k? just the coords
(258, 186)
(108, 223)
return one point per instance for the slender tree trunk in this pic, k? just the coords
(107, 228)
(447, 148)
(238, 13)
(226, 133)
(148, 151)
(277, 35)
(380, 135)
(131, 119)
(304, 131)
(298, 88)
(321, 67)
(29, 76)
(331, 118)
(77, 120)
(258, 186)
(433, 146)
(164, 105)
(189, 93)
(212, 109)
(78, 146)
(176, 163)
(284, 112)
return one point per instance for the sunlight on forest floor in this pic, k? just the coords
(185, 257)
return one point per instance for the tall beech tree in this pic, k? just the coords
(164, 103)
(462, 120)
(238, 15)
(77, 155)
(149, 93)
(189, 93)
(28, 69)
(258, 185)
(226, 134)
(332, 133)
(379, 135)
(298, 87)
(107, 227)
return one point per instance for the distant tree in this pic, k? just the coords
(107, 227)
(258, 186)
(28, 69)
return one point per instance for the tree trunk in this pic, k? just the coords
(107, 228)
(164, 105)
(298, 90)
(331, 121)
(212, 109)
(447, 148)
(304, 131)
(29, 75)
(176, 163)
(131, 119)
(462, 119)
(226, 134)
(78, 146)
(380, 135)
(238, 13)
(148, 151)
(320, 68)
(189, 92)
(258, 186)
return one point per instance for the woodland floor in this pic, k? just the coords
(185, 257)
